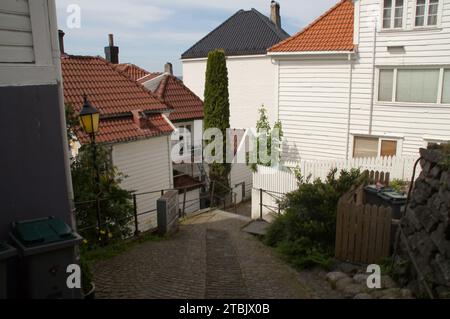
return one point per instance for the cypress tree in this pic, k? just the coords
(217, 113)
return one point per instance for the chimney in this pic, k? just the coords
(111, 51)
(275, 13)
(61, 35)
(168, 68)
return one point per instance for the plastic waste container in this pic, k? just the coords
(46, 247)
(6, 252)
(386, 197)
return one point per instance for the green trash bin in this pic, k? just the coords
(6, 252)
(46, 248)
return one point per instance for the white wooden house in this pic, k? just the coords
(368, 78)
(245, 38)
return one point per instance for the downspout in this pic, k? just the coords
(349, 105)
(372, 93)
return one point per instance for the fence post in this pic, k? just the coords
(212, 194)
(136, 224)
(235, 204)
(162, 192)
(260, 203)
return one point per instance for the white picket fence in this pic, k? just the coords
(275, 182)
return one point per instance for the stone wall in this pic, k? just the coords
(425, 242)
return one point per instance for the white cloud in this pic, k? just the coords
(133, 14)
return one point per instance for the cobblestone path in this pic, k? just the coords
(210, 257)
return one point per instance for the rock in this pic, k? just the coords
(406, 294)
(391, 293)
(363, 296)
(376, 293)
(353, 289)
(433, 156)
(361, 278)
(343, 282)
(443, 292)
(387, 282)
(334, 277)
(348, 268)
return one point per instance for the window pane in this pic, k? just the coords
(388, 148)
(387, 13)
(446, 88)
(417, 86)
(398, 21)
(419, 21)
(387, 3)
(420, 12)
(365, 147)
(386, 85)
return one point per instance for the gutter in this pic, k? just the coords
(308, 53)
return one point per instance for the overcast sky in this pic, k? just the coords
(153, 32)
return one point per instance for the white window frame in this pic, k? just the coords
(380, 140)
(426, 26)
(440, 93)
(392, 27)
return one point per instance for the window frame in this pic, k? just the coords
(398, 140)
(427, 7)
(392, 21)
(440, 93)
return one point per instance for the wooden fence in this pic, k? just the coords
(363, 231)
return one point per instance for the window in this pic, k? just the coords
(388, 148)
(446, 87)
(365, 147)
(417, 86)
(420, 85)
(386, 85)
(393, 14)
(426, 13)
(373, 147)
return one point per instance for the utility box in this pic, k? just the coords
(6, 253)
(168, 215)
(46, 248)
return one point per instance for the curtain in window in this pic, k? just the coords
(365, 147)
(420, 86)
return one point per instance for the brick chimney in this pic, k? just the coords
(168, 68)
(275, 13)
(61, 35)
(111, 51)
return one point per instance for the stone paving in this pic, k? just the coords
(210, 257)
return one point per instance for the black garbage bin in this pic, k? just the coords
(46, 248)
(6, 253)
(387, 197)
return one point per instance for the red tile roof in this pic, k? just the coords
(333, 31)
(185, 104)
(116, 96)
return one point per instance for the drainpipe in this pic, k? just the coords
(349, 105)
(374, 52)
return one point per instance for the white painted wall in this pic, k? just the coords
(413, 124)
(314, 91)
(147, 165)
(251, 80)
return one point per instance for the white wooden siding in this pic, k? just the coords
(242, 173)
(412, 124)
(146, 166)
(313, 107)
(16, 40)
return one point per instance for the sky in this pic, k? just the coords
(150, 33)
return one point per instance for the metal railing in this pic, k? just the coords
(276, 196)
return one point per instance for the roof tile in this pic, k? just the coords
(333, 31)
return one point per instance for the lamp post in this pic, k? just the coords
(89, 119)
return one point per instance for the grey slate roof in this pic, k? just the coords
(244, 33)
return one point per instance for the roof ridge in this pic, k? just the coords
(212, 31)
(317, 20)
(185, 86)
(269, 23)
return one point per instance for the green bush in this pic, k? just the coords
(305, 233)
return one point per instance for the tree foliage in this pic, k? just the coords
(217, 113)
(116, 209)
(305, 234)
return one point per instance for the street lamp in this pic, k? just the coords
(89, 120)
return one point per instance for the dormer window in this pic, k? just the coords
(426, 13)
(393, 14)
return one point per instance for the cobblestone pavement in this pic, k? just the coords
(210, 257)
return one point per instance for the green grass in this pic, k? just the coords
(94, 254)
